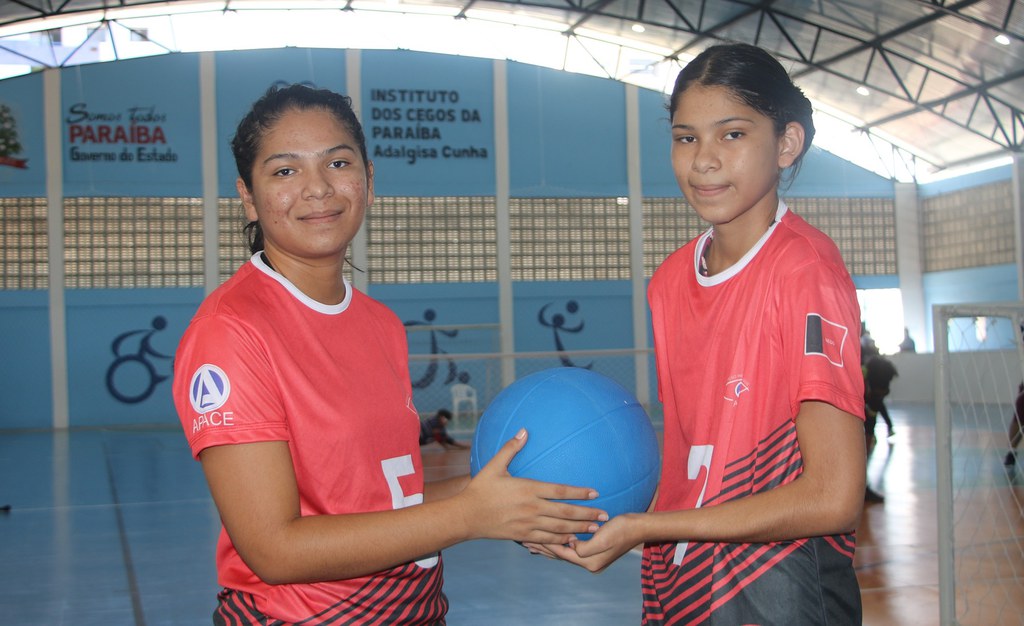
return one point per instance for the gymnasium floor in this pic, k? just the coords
(116, 527)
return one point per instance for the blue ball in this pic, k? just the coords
(584, 429)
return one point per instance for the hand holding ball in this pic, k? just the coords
(584, 429)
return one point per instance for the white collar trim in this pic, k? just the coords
(737, 267)
(319, 307)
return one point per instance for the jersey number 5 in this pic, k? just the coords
(393, 470)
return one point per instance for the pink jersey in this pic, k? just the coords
(263, 362)
(737, 353)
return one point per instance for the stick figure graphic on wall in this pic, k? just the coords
(435, 349)
(557, 325)
(135, 360)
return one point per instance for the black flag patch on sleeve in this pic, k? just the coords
(825, 338)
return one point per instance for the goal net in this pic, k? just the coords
(461, 368)
(979, 366)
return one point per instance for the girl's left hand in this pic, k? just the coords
(613, 539)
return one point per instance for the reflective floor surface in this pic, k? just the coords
(117, 527)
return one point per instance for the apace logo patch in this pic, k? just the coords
(209, 389)
(734, 388)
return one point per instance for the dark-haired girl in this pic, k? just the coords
(293, 389)
(755, 330)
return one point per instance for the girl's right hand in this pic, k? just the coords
(501, 506)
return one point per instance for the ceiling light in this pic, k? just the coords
(1002, 39)
(863, 90)
(638, 28)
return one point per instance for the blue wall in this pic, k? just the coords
(26, 382)
(561, 142)
(23, 173)
(446, 104)
(121, 345)
(824, 175)
(967, 181)
(996, 283)
(132, 128)
(550, 317)
(567, 138)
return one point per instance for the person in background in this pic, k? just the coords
(1016, 421)
(868, 347)
(878, 374)
(436, 429)
(907, 345)
(1016, 427)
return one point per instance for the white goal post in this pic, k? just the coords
(979, 363)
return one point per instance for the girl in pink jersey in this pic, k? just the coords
(754, 323)
(293, 390)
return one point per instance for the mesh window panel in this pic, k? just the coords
(969, 228)
(668, 224)
(232, 248)
(864, 229)
(133, 242)
(23, 241)
(431, 240)
(569, 239)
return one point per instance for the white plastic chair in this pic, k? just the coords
(463, 395)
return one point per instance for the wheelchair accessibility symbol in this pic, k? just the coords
(132, 377)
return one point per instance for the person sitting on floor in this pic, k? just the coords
(436, 429)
